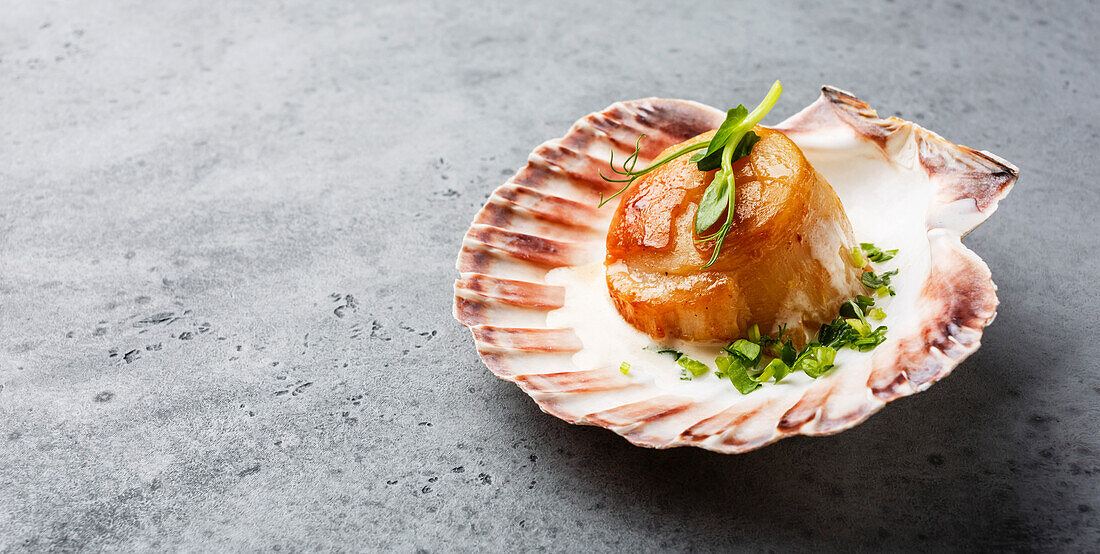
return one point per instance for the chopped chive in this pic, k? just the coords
(735, 369)
(858, 259)
(624, 368)
(876, 254)
(754, 333)
(776, 369)
(860, 326)
(676, 354)
(695, 367)
(748, 350)
(876, 313)
(816, 361)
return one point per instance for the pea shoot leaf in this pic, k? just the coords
(714, 203)
(714, 161)
(734, 117)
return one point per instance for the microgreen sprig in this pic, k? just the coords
(732, 141)
(732, 137)
(629, 174)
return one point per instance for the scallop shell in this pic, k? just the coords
(545, 217)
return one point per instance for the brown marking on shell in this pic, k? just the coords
(957, 301)
(473, 261)
(664, 122)
(582, 169)
(575, 381)
(579, 139)
(532, 248)
(676, 120)
(624, 138)
(722, 421)
(558, 186)
(495, 215)
(536, 340)
(470, 313)
(480, 258)
(735, 441)
(640, 412)
(516, 293)
(837, 416)
(835, 107)
(505, 215)
(552, 209)
(887, 382)
(967, 173)
(538, 175)
(805, 410)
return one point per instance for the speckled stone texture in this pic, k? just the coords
(227, 237)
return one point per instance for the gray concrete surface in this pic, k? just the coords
(227, 236)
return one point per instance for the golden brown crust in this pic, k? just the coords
(784, 261)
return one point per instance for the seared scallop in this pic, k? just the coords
(786, 261)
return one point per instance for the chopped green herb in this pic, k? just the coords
(782, 331)
(879, 283)
(736, 370)
(754, 333)
(787, 353)
(875, 254)
(863, 302)
(854, 332)
(695, 367)
(858, 259)
(869, 341)
(624, 368)
(750, 351)
(834, 334)
(859, 325)
(776, 368)
(850, 329)
(815, 361)
(676, 354)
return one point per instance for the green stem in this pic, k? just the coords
(763, 108)
(634, 175)
(739, 132)
(722, 232)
